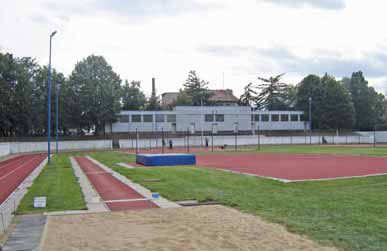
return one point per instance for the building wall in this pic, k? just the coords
(210, 118)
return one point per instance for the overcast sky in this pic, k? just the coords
(241, 40)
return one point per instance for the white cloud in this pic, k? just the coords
(166, 39)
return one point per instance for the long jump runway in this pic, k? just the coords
(116, 195)
(14, 171)
(297, 167)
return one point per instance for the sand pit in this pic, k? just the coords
(191, 228)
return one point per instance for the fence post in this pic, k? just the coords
(236, 142)
(187, 139)
(162, 138)
(137, 136)
(374, 136)
(2, 221)
(259, 140)
(212, 141)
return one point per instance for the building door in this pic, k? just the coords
(173, 127)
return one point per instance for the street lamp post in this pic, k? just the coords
(49, 102)
(310, 119)
(56, 115)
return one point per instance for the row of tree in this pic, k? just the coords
(93, 94)
(90, 97)
(349, 103)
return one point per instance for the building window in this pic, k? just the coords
(209, 118)
(274, 117)
(294, 117)
(219, 118)
(124, 118)
(171, 118)
(265, 117)
(255, 117)
(284, 117)
(147, 118)
(160, 118)
(136, 118)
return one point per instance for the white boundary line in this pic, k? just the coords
(294, 181)
(125, 165)
(161, 202)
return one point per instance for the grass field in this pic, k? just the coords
(350, 214)
(58, 183)
(300, 149)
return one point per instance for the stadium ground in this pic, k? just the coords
(349, 214)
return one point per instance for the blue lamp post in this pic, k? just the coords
(49, 102)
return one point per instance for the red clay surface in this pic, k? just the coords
(297, 167)
(111, 189)
(14, 171)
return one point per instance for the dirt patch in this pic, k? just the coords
(202, 228)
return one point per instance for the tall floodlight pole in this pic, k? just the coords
(56, 115)
(49, 101)
(310, 119)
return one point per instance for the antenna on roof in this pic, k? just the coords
(223, 80)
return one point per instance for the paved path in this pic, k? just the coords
(117, 195)
(27, 234)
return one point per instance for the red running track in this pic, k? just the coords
(297, 167)
(14, 171)
(112, 190)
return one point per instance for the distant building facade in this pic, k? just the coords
(218, 98)
(208, 118)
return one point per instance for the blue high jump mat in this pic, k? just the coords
(170, 159)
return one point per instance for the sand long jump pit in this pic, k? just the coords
(187, 228)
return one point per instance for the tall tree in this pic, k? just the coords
(197, 89)
(368, 104)
(8, 69)
(332, 107)
(132, 96)
(249, 96)
(99, 91)
(272, 93)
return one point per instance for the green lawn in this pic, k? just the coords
(350, 214)
(58, 183)
(299, 149)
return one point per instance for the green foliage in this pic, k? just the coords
(249, 95)
(196, 89)
(99, 91)
(272, 94)
(132, 97)
(332, 107)
(370, 106)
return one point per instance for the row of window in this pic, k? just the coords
(161, 118)
(274, 117)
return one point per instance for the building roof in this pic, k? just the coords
(223, 96)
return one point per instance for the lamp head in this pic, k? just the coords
(53, 34)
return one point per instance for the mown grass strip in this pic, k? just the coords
(58, 183)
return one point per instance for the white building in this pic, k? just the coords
(210, 118)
